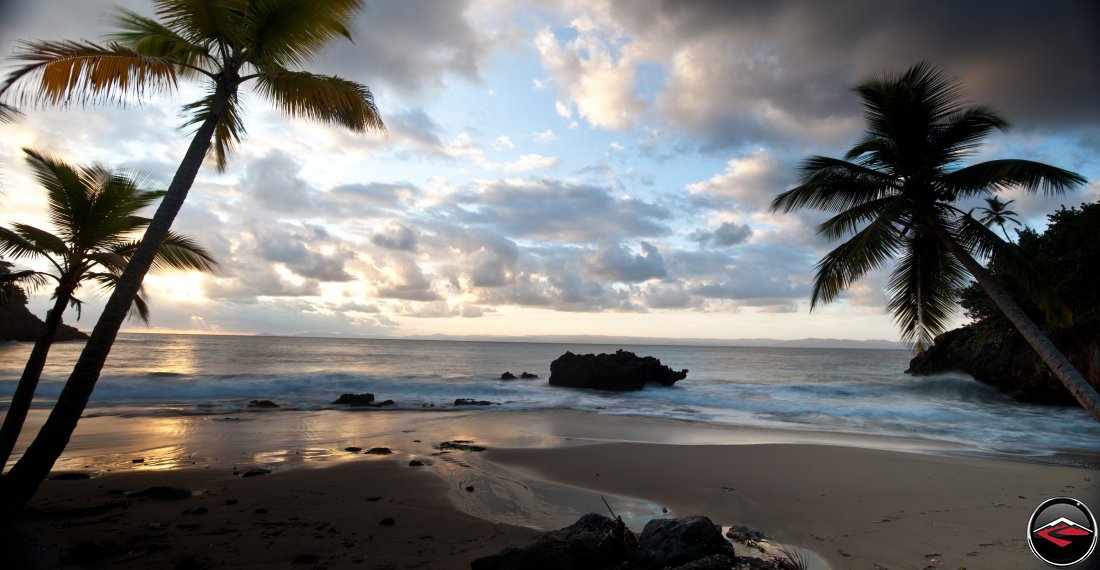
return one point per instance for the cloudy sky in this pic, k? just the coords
(562, 166)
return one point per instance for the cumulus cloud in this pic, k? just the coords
(617, 263)
(726, 235)
(405, 279)
(396, 237)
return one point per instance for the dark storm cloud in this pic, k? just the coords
(1037, 62)
(552, 209)
(409, 46)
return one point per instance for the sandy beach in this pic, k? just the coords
(851, 501)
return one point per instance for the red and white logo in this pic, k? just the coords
(1062, 532)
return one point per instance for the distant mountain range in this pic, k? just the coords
(629, 340)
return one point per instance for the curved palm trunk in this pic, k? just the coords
(20, 484)
(32, 371)
(1077, 385)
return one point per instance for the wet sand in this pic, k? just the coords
(858, 502)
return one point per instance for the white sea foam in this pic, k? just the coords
(860, 391)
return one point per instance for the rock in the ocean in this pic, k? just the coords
(262, 404)
(364, 399)
(472, 402)
(594, 542)
(528, 376)
(507, 376)
(678, 541)
(621, 371)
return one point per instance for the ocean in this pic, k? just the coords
(851, 391)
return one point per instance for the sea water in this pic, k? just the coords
(858, 391)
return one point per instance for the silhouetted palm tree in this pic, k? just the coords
(997, 213)
(224, 44)
(893, 194)
(95, 215)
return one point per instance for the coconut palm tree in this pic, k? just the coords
(94, 211)
(893, 194)
(997, 213)
(224, 44)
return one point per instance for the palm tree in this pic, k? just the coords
(8, 114)
(224, 44)
(94, 211)
(997, 213)
(893, 194)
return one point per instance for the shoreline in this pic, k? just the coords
(854, 500)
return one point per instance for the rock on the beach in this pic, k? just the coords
(460, 445)
(379, 451)
(678, 541)
(594, 542)
(262, 404)
(363, 399)
(621, 371)
(255, 472)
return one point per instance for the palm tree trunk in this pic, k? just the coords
(1077, 385)
(32, 371)
(20, 484)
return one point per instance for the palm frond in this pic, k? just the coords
(998, 175)
(849, 220)
(961, 133)
(139, 308)
(67, 72)
(176, 252)
(42, 242)
(148, 37)
(67, 191)
(228, 131)
(922, 289)
(871, 248)
(833, 185)
(286, 33)
(204, 22)
(9, 114)
(323, 98)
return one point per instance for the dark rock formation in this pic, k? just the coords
(507, 376)
(594, 542)
(597, 542)
(19, 324)
(460, 445)
(355, 399)
(1005, 360)
(379, 451)
(674, 542)
(472, 402)
(262, 404)
(621, 371)
(528, 376)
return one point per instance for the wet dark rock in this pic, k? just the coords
(262, 404)
(379, 451)
(460, 445)
(384, 403)
(388, 521)
(255, 472)
(594, 542)
(1004, 360)
(353, 449)
(621, 371)
(192, 562)
(93, 550)
(163, 493)
(305, 559)
(416, 463)
(678, 541)
(138, 460)
(472, 402)
(364, 399)
(507, 376)
(72, 476)
(469, 488)
(528, 376)
(742, 533)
